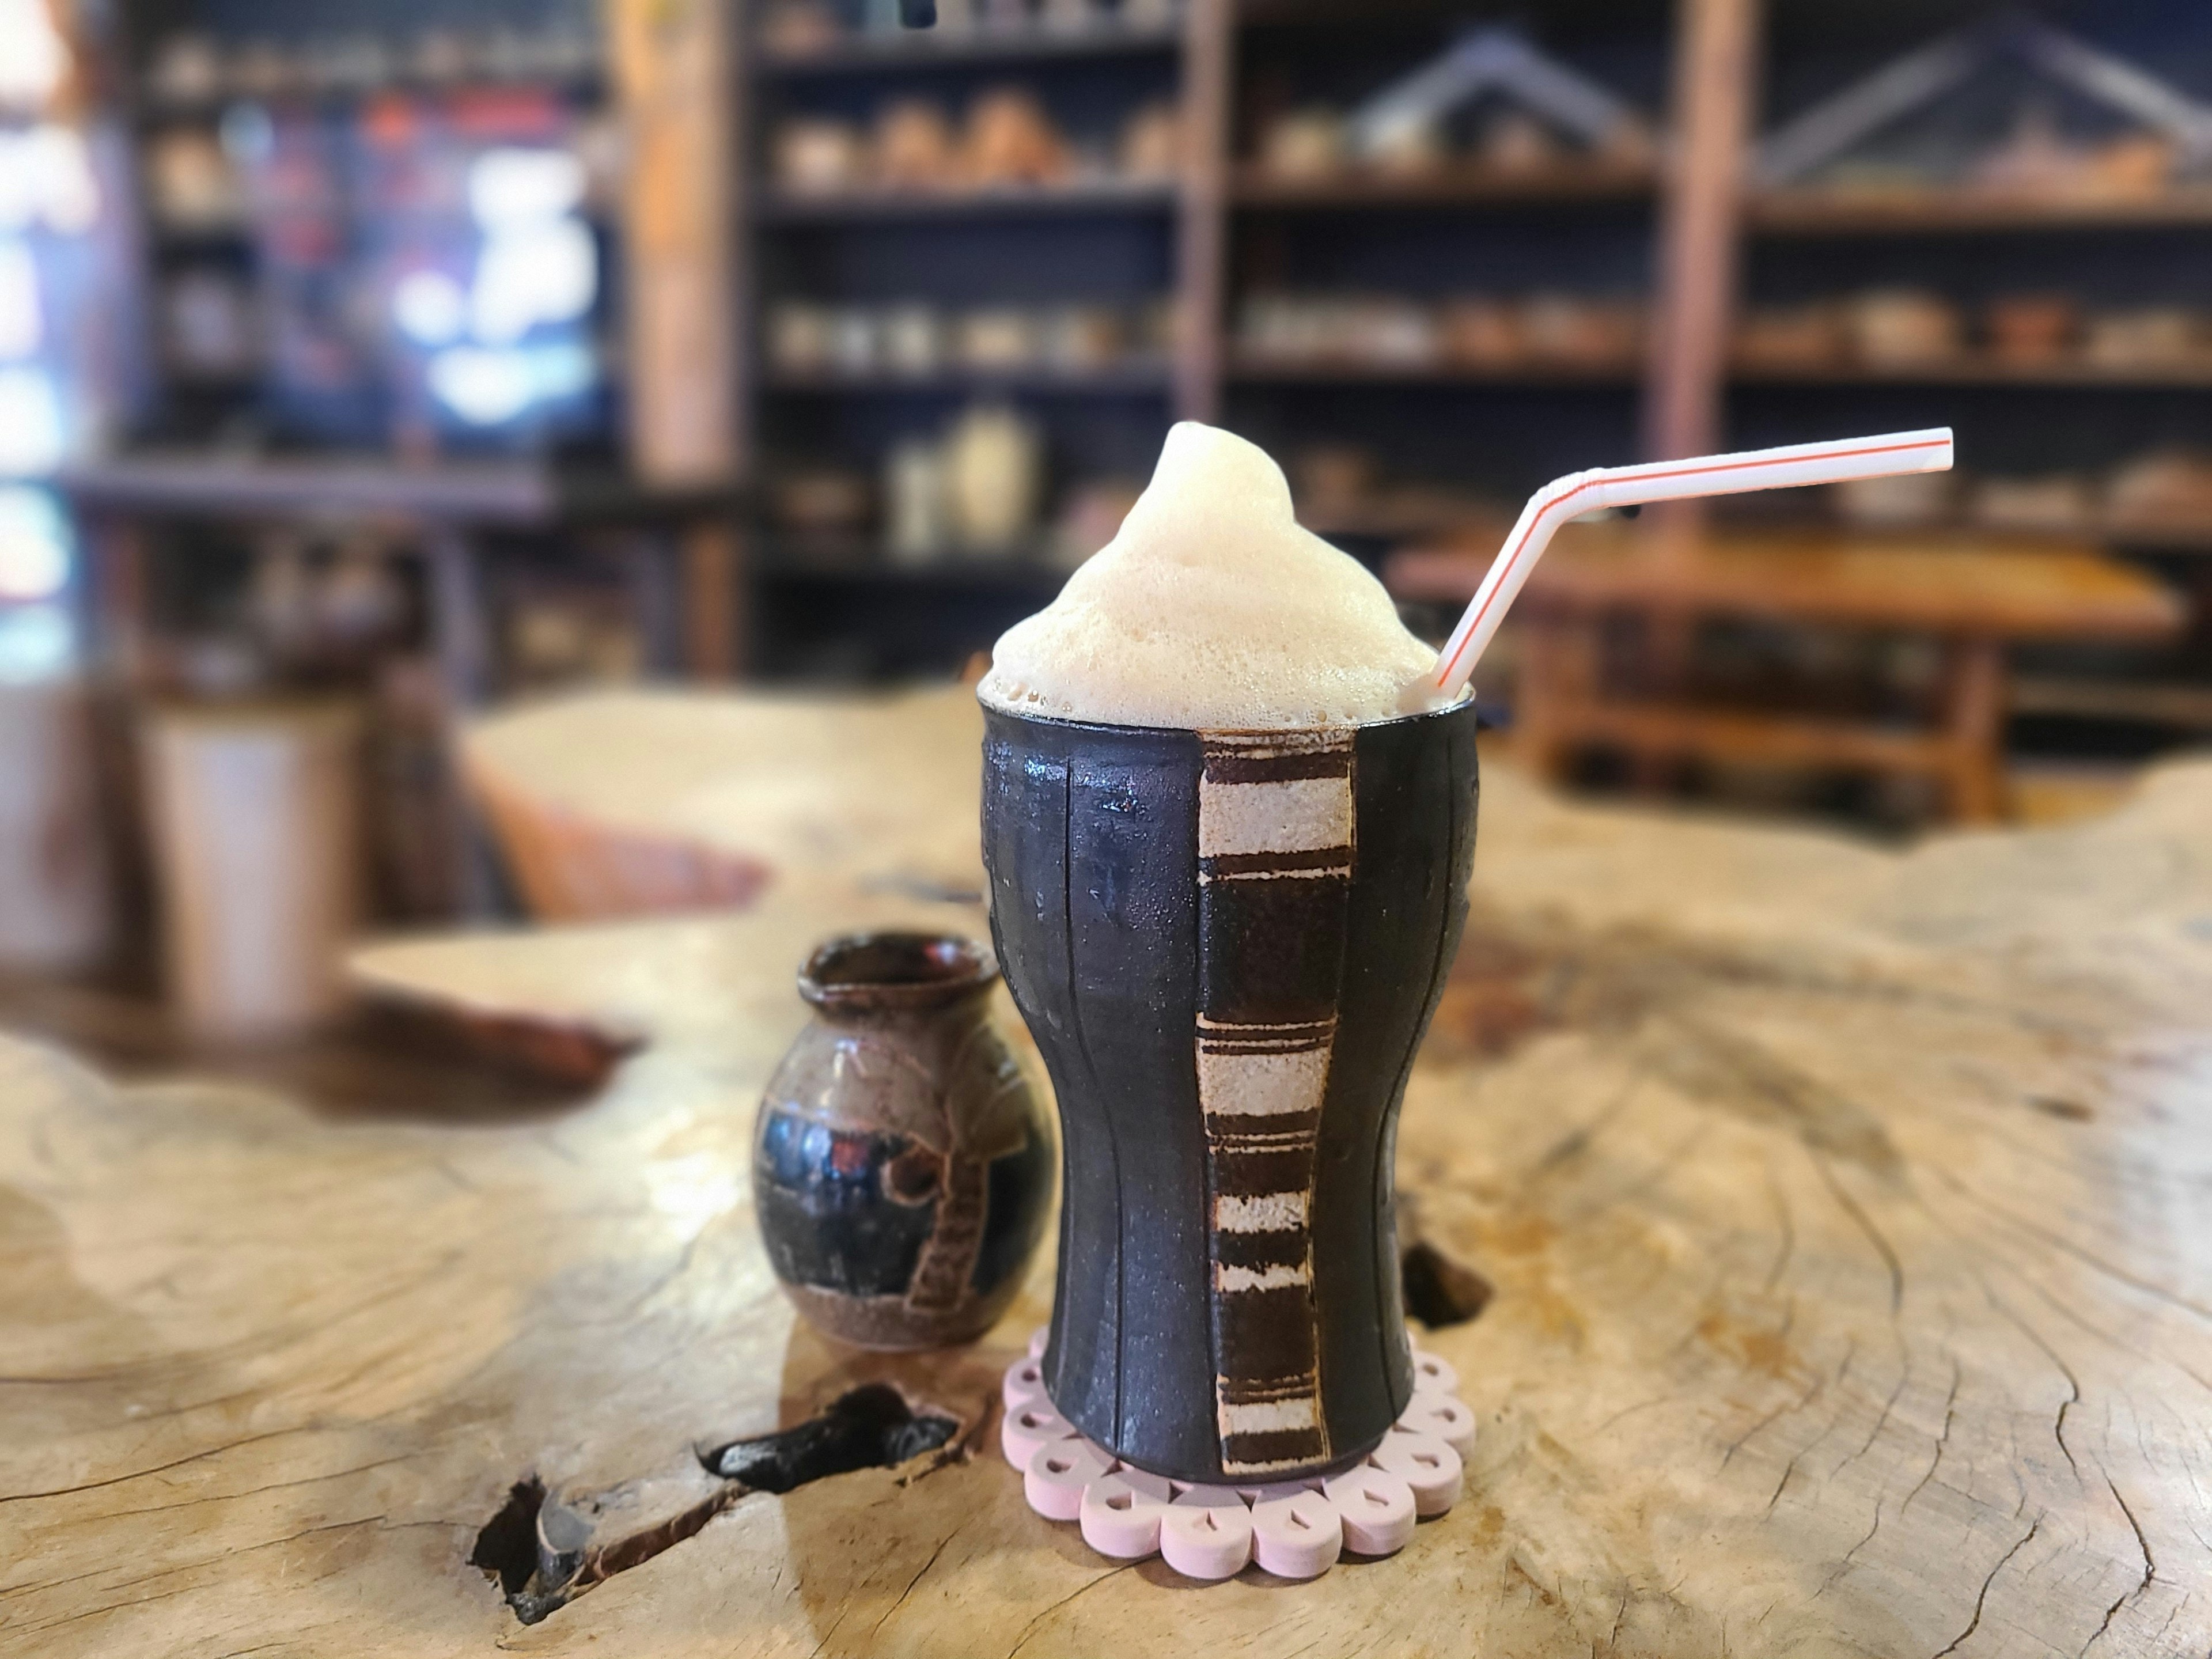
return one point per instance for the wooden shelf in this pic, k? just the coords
(1456, 522)
(154, 109)
(2154, 702)
(2187, 374)
(2174, 534)
(1842, 213)
(1728, 736)
(200, 236)
(1128, 379)
(1276, 371)
(846, 563)
(1461, 185)
(868, 53)
(1102, 196)
(1949, 581)
(520, 494)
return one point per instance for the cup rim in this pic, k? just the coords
(1464, 705)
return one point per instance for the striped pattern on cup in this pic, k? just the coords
(1275, 844)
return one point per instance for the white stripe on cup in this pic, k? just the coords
(1270, 1212)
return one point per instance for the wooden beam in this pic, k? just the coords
(1201, 244)
(1716, 77)
(679, 72)
(1757, 739)
(714, 615)
(676, 78)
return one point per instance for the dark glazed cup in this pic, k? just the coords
(901, 1167)
(1228, 947)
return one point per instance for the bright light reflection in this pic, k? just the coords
(531, 274)
(524, 186)
(487, 387)
(22, 327)
(31, 438)
(47, 177)
(34, 546)
(37, 642)
(33, 58)
(429, 308)
(537, 267)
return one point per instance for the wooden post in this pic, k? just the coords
(1976, 728)
(1201, 243)
(1694, 312)
(715, 626)
(116, 603)
(1716, 77)
(462, 630)
(678, 75)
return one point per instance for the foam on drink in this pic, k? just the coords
(1214, 610)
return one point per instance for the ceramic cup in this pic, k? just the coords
(1228, 945)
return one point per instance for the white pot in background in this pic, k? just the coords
(257, 854)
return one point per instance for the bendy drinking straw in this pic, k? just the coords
(1881, 457)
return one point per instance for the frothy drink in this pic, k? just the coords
(1228, 855)
(1214, 610)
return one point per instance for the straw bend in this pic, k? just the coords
(1884, 455)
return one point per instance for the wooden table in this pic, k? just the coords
(1844, 1210)
(1975, 596)
(444, 511)
(446, 508)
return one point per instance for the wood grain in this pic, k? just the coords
(1843, 1209)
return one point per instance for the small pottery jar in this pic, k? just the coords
(902, 1167)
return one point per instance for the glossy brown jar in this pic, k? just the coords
(901, 1167)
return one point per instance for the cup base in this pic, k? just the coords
(1296, 1527)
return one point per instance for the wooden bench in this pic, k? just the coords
(1974, 596)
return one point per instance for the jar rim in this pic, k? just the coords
(895, 969)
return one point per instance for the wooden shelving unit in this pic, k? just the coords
(1005, 45)
(1443, 434)
(1100, 196)
(2184, 374)
(1263, 370)
(1129, 380)
(2110, 247)
(1806, 212)
(1208, 229)
(1812, 242)
(841, 602)
(1455, 186)
(1457, 435)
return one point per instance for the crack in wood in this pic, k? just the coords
(2059, 1242)
(544, 1550)
(1030, 1629)
(1982, 1600)
(1864, 1222)
(2073, 1382)
(2150, 1567)
(157, 1468)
